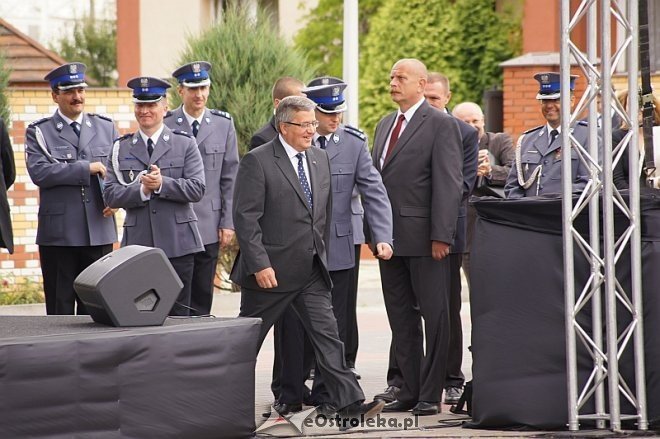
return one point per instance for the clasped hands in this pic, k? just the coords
(151, 181)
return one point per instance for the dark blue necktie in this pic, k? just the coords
(322, 141)
(195, 128)
(76, 128)
(553, 136)
(302, 177)
(150, 146)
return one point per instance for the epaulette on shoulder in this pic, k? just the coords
(534, 129)
(100, 116)
(182, 133)
(221, 113)
(120, 138)
(583, 122)
(40, 121)
(356, 132)
(168, 114)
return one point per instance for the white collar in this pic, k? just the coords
(411, 111)
(154, 137)
(290, 150)
(191, 119)
(68, 121)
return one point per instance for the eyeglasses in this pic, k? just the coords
(305, 125)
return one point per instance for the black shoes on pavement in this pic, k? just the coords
(389, 395)
(453, 394)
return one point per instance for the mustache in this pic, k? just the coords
(77, 101)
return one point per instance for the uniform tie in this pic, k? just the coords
(76, 128)
(553, 136)
(150, 146)
(395, 136)
(322, 141)
(302, 177)
(195, 128)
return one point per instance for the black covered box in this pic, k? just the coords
(65, 376)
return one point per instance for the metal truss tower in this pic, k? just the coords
(620, 326)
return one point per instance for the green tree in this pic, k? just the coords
(93, 42)
(5, 111)
(418, 30)
(247, 56)
(479, 47)
(322, 39)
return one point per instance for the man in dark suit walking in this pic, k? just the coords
(282, 209)
(216, 139)
(419, 152)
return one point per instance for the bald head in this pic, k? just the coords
(286, 86)
(407, 82)
(470, 113)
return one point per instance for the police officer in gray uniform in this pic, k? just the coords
(156, 174)
(216, 138)
(65, 156)
(537, 165)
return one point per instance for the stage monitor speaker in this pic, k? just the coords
(132, 286)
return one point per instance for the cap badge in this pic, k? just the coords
(335, 91)
(325, 81)
(73, 68)
(144, 82)
(196, 68)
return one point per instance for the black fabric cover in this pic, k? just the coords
(517, 310)
(66, 377)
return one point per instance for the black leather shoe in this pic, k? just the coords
(389, 394)
(453, 394)
(284, 409)
(354, 414)
(326, 410)
(355, 372)
(398, 406)
(425, 409)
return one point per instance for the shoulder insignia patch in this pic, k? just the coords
(534, 129)
(182, 133)
(40, 121)
(221, 113)
(100, 116)
(125, 136)
(356, 132)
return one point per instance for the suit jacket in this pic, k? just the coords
(351, 167)
(70, 200)
(216, 140)
(275, 226)
(424, 179)
(470, 143)
(167, 220)
(500, 147)
(265, 134)
(8, 169)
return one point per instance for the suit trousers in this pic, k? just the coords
(313, 305)
(352, 338)
(416, 287)
(201, 291)
(60, 266)
(296, 355)
(455, 377)
(183, 265)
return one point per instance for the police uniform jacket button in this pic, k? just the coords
(83, 155)
(153, 211)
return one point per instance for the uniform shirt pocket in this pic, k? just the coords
(213, 156)
(51, 218)
(64, 153)
(172, 167)
(342, 177)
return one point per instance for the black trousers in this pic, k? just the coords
(352, 339)
(454, 377)
(201, 291)
(313, 305)
(416, 288)
(293, 347)
(60, 266)
(183, 265)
